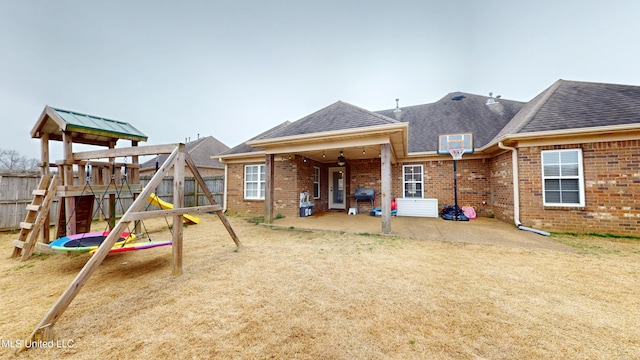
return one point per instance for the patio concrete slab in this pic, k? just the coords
(479, 231)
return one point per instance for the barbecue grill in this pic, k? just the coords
(364, 194)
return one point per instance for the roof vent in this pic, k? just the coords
(397, 113)
(397, 106)
(458, 97)
(491, 100)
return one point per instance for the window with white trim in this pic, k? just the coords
(412, 181)
(316, 182)
(562, 177)
(254, 182)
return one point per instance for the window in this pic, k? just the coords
(316, 182)
(562, 177)
(254, 185)
(412, 181)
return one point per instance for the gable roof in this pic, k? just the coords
(575, 105)
(200, 151)
(85, 129)
(337, 116)
(469, 114)
(564, 106)
(245, 148)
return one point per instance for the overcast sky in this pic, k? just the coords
(232, 69)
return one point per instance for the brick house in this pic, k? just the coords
(568, 160)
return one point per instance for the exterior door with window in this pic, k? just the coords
(336, 188)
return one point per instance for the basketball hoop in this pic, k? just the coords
(456, 153)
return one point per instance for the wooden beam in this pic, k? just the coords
(94, 163)
(385, 198)
(98, 190)
(112, 197)
(67, 179)
(43, 329)
(212, 200)
(269, 188)
(44, 158)
(144, 215)
(178, 202)
(129, 151)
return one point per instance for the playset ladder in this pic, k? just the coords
(37, 214)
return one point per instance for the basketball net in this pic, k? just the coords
(456, 153)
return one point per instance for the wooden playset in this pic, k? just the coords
(75, 210)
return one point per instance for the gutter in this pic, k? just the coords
(516, 191)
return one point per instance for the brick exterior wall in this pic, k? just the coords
(501, 178)
(612, 190)
(611, 176)
(235, 192)
(474, 182)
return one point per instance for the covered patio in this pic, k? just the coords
(486, 231)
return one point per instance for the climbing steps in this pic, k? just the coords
(37, 214)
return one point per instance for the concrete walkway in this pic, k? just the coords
(479, 231)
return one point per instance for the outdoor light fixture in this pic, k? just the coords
(341, 159)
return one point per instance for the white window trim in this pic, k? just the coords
(316, 182)
(404, 182)
(244, 190)
(580, 178)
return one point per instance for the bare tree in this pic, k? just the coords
(12, 160)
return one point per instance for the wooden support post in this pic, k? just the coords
(385, 198)
(112, 197)
(212, 200)
(69, 202)
(178, 202)
(44, 157)
(43, 330)
(135, 179)
(269, 194)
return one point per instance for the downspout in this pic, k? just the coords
(516, 191)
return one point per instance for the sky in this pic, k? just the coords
(177, 70)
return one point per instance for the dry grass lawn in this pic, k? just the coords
(311, 295)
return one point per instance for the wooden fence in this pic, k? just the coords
(16, 188)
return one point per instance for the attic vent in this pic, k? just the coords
(397, 113)
(491, 100)
(458, 97)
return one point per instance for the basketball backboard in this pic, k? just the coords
(451, 141)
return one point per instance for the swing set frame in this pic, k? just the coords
(51, 125)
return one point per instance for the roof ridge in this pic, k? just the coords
(536, 107)
(89, 115)
(380, 116)
(198, 142)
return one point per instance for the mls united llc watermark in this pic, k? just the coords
(51, 344)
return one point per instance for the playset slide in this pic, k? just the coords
(155, 200)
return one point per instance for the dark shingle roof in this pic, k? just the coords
(244, 148)
(447, 116)
(564, 105)
(575, 104)
(337, 116)
(200, 151)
